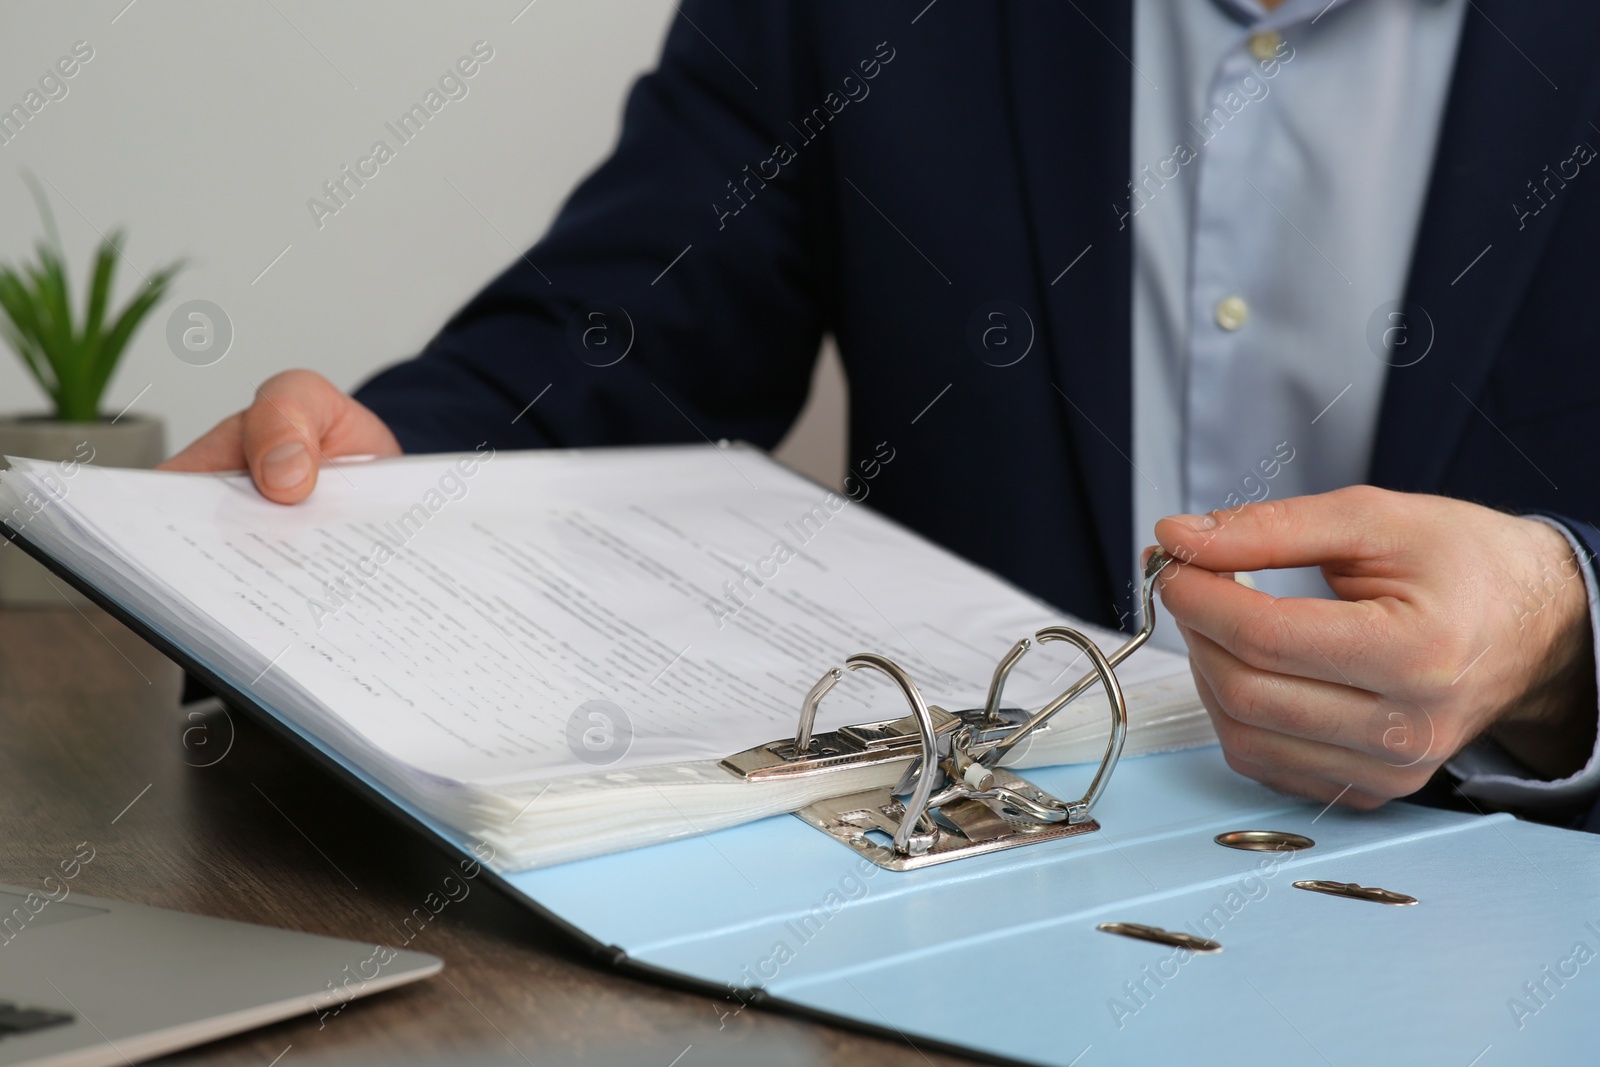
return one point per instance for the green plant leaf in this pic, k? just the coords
(92, 340)
(42, 202)
(73, 365)
(22, 328)
(104, 273)
(116, 339)
(53, 310)
(31, 356)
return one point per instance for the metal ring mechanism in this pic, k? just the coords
(965, 749)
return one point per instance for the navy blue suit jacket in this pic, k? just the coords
(801, 167)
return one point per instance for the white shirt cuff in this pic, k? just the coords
(1488, 772)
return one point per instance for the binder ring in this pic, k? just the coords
(1079, 809)
(1072, 812)
(808, 709)
(959, 800)
(917, 807)
(1153, 567)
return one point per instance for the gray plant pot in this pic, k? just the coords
(131, 441)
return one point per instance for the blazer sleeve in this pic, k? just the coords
(1488, 772)
(675, 297)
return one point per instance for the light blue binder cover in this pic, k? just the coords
(998, 956)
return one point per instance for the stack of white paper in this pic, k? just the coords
(552, 650)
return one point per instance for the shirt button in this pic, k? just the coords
(1231, 312)
(1264, 45)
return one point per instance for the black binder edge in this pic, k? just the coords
(613, 956)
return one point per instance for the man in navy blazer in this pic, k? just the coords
(910, 178)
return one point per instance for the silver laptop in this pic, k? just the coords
(86, 981)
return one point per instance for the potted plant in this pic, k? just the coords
(72, 357)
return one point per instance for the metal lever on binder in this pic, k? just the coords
(993, 754)
(953, 798)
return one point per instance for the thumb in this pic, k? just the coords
(1298, 531)
(284, 430)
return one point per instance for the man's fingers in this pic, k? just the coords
(300, 420)
(1294, 759)
(1400, 733)
(283, 432)
(220, 449)
(1345, 642)
(1391, 759)
(1317, 790)
(1308, 788)
(1300, 707)
(1303, 531)
(1304, 768)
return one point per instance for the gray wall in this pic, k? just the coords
(204, 128)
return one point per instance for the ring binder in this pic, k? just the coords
(953, 799)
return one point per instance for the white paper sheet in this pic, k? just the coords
(459, 614)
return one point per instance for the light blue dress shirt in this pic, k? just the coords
(1280, 167)
(1269, 225)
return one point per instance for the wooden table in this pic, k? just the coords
(94, 747)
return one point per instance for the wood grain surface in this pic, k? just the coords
(94, 747)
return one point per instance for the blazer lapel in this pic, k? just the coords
(1071, 104)
(1522, 92)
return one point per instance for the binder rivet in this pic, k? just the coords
(1175, 938)
(1264, 840)
(1356, 892)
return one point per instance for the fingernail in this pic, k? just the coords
(1197, 523)
(285, 466)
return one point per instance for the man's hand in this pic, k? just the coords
(297, 420)
(1453, 620)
